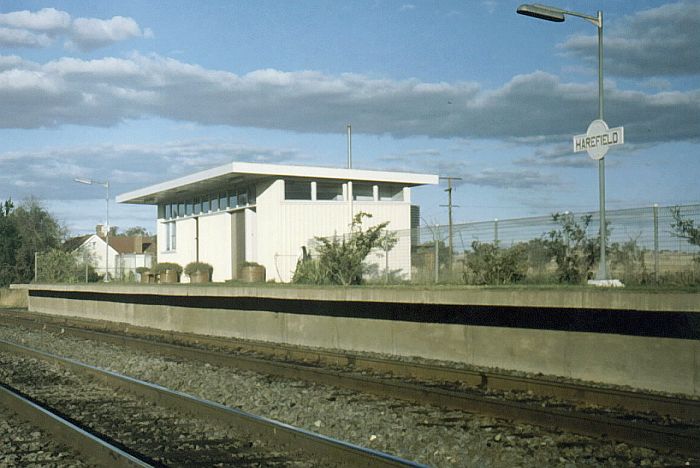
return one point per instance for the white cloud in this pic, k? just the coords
(92, 33)
(39, 29)
(47, 20)
(22, 38)
(660, 41)
(49, 173)
(536, 107)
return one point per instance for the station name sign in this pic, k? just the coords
(598, 139)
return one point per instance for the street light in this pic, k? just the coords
(81, 180)
(557, 15)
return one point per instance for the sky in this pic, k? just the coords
(138, 92)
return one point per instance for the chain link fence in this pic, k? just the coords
(642, 248)
(57, 266)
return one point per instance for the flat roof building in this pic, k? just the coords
(264, 213)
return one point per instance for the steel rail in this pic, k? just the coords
(659, 437)
(337, 452)
(93, 448)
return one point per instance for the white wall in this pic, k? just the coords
(215, 244)
(285, 226)
(94, 248)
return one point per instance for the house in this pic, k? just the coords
(249, 212)
(126, 253)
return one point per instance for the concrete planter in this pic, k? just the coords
(147, 277)
(200, 277)
(253, 274)
(169, 276)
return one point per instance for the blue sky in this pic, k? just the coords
(139, 92)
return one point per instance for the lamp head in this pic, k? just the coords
(541, 12)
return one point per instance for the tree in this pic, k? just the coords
(137, 231)
(340, 258)
(9, 242)
(39, 232)
(58, 266)
(685, 229)
(387, 241)
(24, 230)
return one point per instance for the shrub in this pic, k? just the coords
(491, 264)
(142, 269)
(340, 258)
(572, 249)
(193, 267)
(159, 268)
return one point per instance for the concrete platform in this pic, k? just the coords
(643, 340)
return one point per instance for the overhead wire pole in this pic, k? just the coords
(449, 206)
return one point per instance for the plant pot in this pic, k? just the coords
(169, 276)
(147, 277)
(253, 274)
(200, 277)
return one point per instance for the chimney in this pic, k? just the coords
(100, 230)
(138, 244)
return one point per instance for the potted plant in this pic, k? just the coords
(145, 274)
(252, 272)
(167, 272)
(199, 272)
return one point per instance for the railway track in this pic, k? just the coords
(120, 421)
(638, 429)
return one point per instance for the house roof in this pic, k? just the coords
(242, 173)
(74, 243)
(121, 244)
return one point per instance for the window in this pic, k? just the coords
(161, 211)
(329, 191)
(362, 192)
(205, 205)
(197, 206)
(173, 210)
(181, 209)
(242, 197)
(252, 196)
(170, 236)
(188, 208)
(297, 190)
(223, 201)
(233, 199)
(214, 203)
(391, 193)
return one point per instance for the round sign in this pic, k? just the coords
(597, 127)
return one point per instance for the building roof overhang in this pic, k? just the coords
(243, 173)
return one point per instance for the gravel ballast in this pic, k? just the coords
(425, 434)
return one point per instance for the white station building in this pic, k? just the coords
(248, 212)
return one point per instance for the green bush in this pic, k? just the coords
(574, 252)
(340, 258)
(193, 267)
(490, 264)
(159, 268)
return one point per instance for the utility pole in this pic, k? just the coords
(449, 215)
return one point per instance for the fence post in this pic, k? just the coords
(36, 265)
(495, 232)
(437, 260)
(656, 242)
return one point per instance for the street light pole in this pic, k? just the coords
(106, 186)
(558, 15)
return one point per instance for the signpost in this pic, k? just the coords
(598, 139)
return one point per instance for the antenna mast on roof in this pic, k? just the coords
(349, 128)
